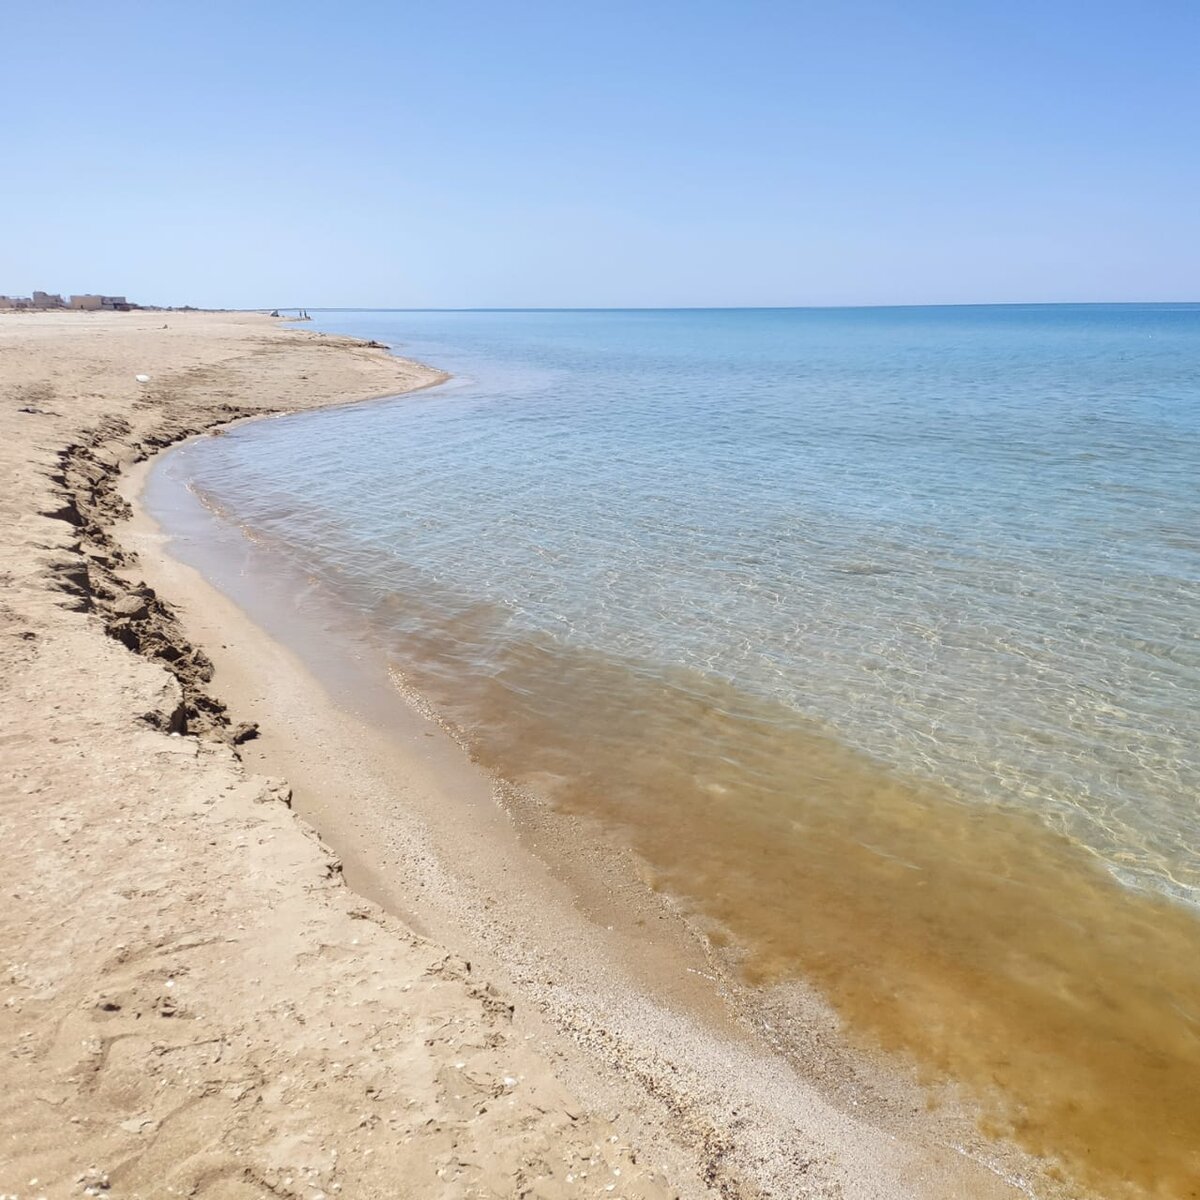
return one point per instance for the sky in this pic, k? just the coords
(607, 154)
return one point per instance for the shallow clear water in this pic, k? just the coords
(965, 541)
(872, 632)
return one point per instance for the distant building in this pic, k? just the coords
(86, 303)
(96, 303)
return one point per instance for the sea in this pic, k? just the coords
(874, 632)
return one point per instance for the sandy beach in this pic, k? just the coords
(268, 933)
(194, 1003)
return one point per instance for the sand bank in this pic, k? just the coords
(195, 999)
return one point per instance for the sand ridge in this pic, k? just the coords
(193, 1002)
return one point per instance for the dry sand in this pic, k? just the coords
(195, 1002)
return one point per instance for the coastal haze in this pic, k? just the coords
(762, 592)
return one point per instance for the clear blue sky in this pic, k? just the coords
(653, 153)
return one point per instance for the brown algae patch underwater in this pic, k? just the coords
(989, 948)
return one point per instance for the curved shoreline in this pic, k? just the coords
(704, 1121)
(195, 1000)
(581, 1007)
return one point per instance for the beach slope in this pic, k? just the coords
(193, 1002)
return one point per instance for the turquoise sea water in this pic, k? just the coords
(964, 541)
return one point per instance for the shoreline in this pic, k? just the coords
(637, 1048)
(636, 1000)
(812, 1146)
(982, 938)
(195, 999)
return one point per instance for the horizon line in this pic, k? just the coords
(713, 307)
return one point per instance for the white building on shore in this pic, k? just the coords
(86, 303)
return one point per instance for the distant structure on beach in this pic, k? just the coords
(86, 303)
(93, 303)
